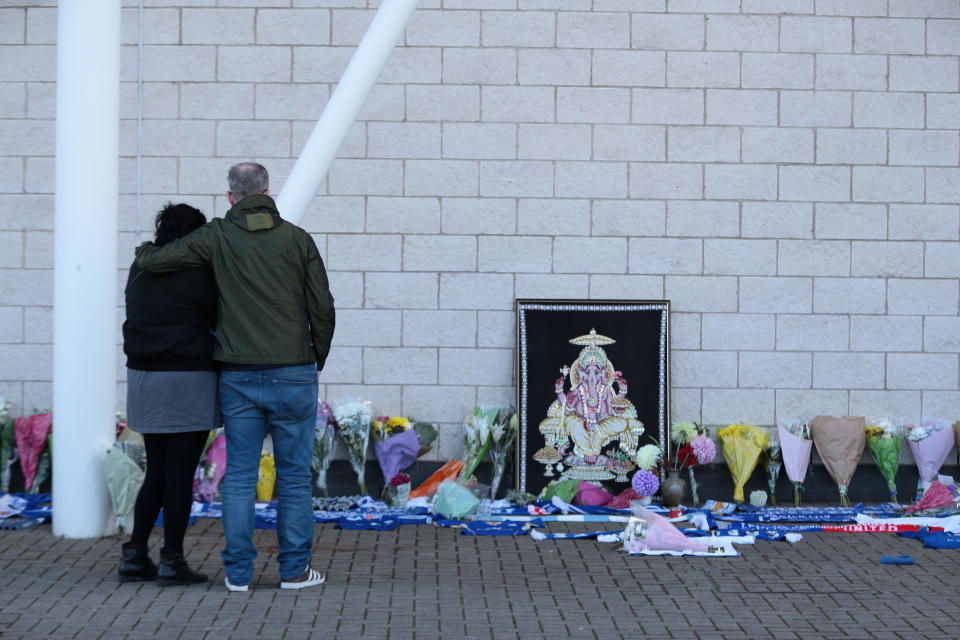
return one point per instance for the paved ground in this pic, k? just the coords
(421, 582)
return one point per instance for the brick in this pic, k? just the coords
(924, 222)
(42, 100)
(772, 370)
(814, 183)
(160, 26)
(854, 221)
(777, 6)
(943, 185)
(460, 366)
(736, 406)
(348, 26)
(518, 28)
(33, 63)
(554, 141)
(11, 250)
(887, 259)
(815, 108)
(478, 140)
(740, 181)
(368, 328)
(476, 291)
(366, 252)
(38, 324)
(815, 34)
(13, 100)
(26, 361)
(891, 110)
(701, 69)
(849, 295)
(927, 297)
(614, 287)
(380, 365)
(922, 371)
(704, 6)
(551, 285)
(915, 73)
(474, 215)
(925, 147)
(885, 403)
(851, 72)
(425, 403)
(439, 328)
(439, 253)
(848, 370)
(943, 37)
(480, 66)
(444, 29)
(347, 289)
(943, 111)
(924, 9)
(887, 184)
(246, 64)
(429, 102)
(666, 181)
(555, 66)
(939, 403)
(495, 329)
(851, 146)
(814, 258)
(217, 26)
(628, 218)
(777, 70)
(367, 177)
(742, 107)
(713, 294)
(441, 178)
(776, 220)
(886, 333)
(516, 179)
(775, 295)
(628, 68)
(687, 403)
(791, 402)
(743, 33)
(403, 215)
(777, 144)
(737, 331)
(739, 257)
(14, 23)
(668, 106)
(852, 7)
(224, 101)
(549, 216)
(703, 219)
(668, 32)
(812, 333)
(514, 254)
(942, 260)
(665, 255)
(704, 368)
(591, 180)
(684, 327)
(321, 64)
(582, 30)
(293, 26)
(628, 142)
(578, 255)
(400, 290)
(886, 35)
(257, 138)
(518, 104)
(704, 144)
(939, 334)
(423, 64)
(593, 105)
(11, 175)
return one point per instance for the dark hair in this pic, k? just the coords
(177, 220)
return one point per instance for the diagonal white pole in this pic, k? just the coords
(351, 92)
(85, 262)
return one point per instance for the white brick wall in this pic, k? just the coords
(786, 172)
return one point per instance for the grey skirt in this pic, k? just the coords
(172, 401)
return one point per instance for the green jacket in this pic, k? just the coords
(275, 305)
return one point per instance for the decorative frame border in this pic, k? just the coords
(521, 305)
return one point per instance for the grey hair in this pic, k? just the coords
(247, 178)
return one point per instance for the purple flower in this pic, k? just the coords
(704, 449)
(645, 483)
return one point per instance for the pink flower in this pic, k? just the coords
(704, 449)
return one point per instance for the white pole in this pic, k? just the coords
(85, 263)
(351, 92)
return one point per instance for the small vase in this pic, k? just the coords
(673, 489)
(403, 495)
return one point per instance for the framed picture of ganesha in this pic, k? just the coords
(592, 387)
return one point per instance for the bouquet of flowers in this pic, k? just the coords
(742, 445)
(8, 449)
(211, 470)
(353, 418)
(795, 446)
(503, 434)
(124, 476)
(840, 443)
(267, 477)
(31, 434)
(395, 444)
(324, 444)
(883, 440)
(692, 447)
(477, 438)
(930, 442)
(399, 489)
(773, 460)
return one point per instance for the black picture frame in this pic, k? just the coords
(569, 435)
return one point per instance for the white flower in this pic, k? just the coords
(758, 498)
(647, 457)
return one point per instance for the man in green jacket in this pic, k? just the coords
(275, 325)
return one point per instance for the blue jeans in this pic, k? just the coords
(282, 402)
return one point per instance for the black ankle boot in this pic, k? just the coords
(136, 565)
(175, 571)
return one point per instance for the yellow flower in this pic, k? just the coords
(874, 431)
(398, 421)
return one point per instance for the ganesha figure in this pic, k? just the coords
(583, 422)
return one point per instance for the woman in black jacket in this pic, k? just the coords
(171, 397)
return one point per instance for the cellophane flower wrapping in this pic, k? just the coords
(930, 442)
(212, 468)
(123, 476)
(742, 445)
(324, 444)
(7, 445)
(397, 452)
(31, 434)
(796, 445)
(840, 443)
(884, 440)
(772, 462)
(503, 435)
(704, 451)
(267, 478)
(477, 438)
(353, 417)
